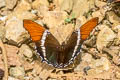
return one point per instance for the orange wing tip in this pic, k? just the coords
(34, 29)
(36, 38)
(87, 28)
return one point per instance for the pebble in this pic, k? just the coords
(14, 30)
(17, 72)
(23, 6)
(67, 5)
(113, 18)
(12, 78)
(87, 57)
(2, 3)
(105, 36)
(10, 4)
(37, 3)
(37, 78)
(2, 32)
(81, 7)
(26, 51)
(118, 74)
(101, 64)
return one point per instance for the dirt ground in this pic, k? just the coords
(99, 56)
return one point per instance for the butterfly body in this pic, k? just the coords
(50, 50)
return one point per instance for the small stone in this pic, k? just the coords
(118, 74)
(3, 18)
(101, 64)
(104, 37)
(10, 4)
(82, 6)
(116, 59)
(2, 3)
(100, 4)
(113, 18)
(99, 67)
(37, 78)
(17, 72)
(100, 14)
(85, 61)
(13, 58)
(44, 70)
(12, 78)
(58, 3)
(117, 40)
(43, 11)
(37, 3)
(114, 52)
(67, 5)
(26, 51)
(53, 79)
(91, 72)
(2, 32)
(54, 18)
(81, 67)
(14, 30)
(4, 12)
(23, 6)
(23, 15)
(27, 65)
(87, 57)
(34, 11)
(116, 8)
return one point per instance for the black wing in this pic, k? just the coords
(46, 44)
(47, 47)
(71, 48)
(73, 45)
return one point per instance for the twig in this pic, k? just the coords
(4, 53)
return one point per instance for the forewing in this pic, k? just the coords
(35, 30)
(46, 43)
(48, 46)
(87, 28)
(73, 45)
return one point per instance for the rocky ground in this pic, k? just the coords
(99, 58)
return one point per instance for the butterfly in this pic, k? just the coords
(48, 47)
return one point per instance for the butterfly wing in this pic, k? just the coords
(49, 49)
(35, 30)
(46, 44)
(87, 28)
(73, 45)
